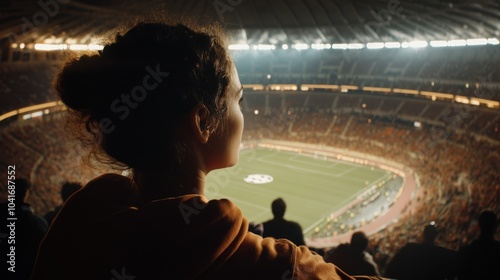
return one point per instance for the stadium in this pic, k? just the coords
(379, 116)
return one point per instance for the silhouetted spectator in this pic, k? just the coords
(423, 261)
(278, 227)
(481, 258)
(163, 101)
(29, 231)
(256, 228)
(67, 189)
(352, 258)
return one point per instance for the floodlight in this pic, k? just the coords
(377, 45)
(95, 47)
(474, 102)
(321, 46)
(477, 42)
(78, 47)
(457, 43)
(355, 46)
(440, 43)
(264, 47)
(417, 44)
(493, 41)
(239, 47)
(339, 46)
(300, 46)
(392, 45)
(50, 47)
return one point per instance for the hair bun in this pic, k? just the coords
(80, 83)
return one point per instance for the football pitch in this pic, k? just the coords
(313, 187)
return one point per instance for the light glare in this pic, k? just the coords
(355, 46)
(339, 46)
(376, 45)
(477, 42)
(50, 47)
(417, 44)
(392, 45)
(457, 43)
(321, 46)
(438, 44)
(300, 46)
(493, 41)
(239, 47)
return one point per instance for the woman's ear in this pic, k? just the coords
(199, 120)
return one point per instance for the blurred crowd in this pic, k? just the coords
(25, 84)
(458, 172)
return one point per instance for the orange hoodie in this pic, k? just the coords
(101, 233)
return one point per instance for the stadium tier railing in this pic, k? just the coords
(34, 111)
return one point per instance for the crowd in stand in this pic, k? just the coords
(425, 70)
(25, 84)
(382, 68)
(40, 149)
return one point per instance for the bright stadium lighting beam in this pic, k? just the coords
(417, 44)
(355, 46)
(376, 45)
(339, 46)
(439, 43)
(284, 46)
(300, 47)
(493, 41)
(79, 47)
(392, 45)
(50, 47)
(96, 47)
(264, 47)
(457, 43)
(239, 47)
(477, 42)
(321, 46)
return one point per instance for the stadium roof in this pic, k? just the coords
(260, 21)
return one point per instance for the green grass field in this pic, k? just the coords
(312, 187)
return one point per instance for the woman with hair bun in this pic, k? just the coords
(163, 102)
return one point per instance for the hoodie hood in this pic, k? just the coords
(103, 229)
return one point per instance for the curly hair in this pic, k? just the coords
(126, 100)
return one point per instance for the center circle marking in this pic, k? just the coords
(258, 179)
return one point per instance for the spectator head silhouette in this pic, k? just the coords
(430, 233)
(68, 188)
(136, 103)
(359, 241)
(165, 71)
(487, 223)
(278, 208)
(22, 187)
